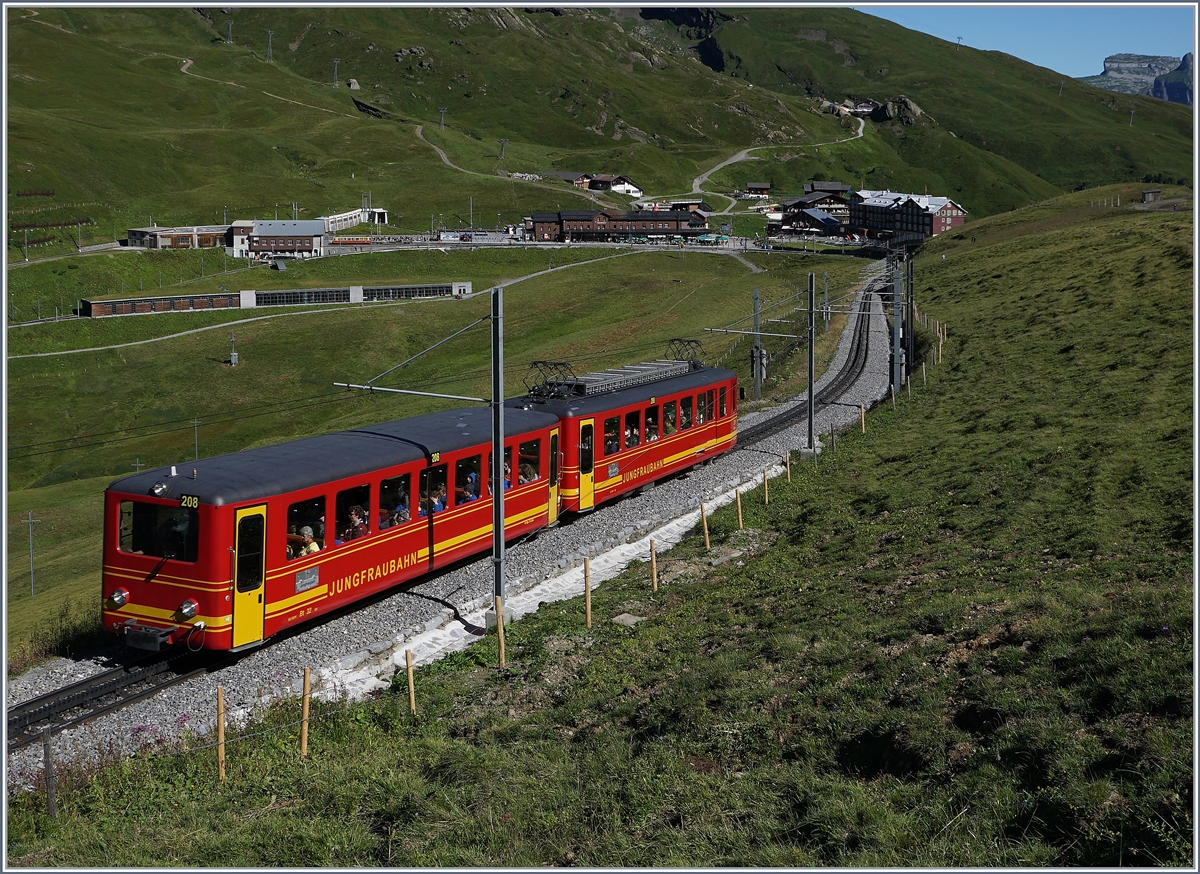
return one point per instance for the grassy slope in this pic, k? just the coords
(988, 99)
(969, 645)
(76, 417)
(624, 95)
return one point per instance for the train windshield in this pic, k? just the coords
(159, 530)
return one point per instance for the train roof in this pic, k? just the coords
(597, 400)
(311, 461)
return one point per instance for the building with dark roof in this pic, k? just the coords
(613, 226)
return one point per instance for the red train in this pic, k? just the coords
(224, 552)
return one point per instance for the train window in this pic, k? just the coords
(306, 527)
(353, 520)
(159, 530)
(633, 430)
(433, 491)
(723, 410)
(507, 470)
(466, 480)
(612, 435)
(685, 413)
(395, 498)
(651, 424)
(669, 418)
(701, 408)
(250, 553)
(554, 459)
(712, 409)
(529, 461)
(585, 449)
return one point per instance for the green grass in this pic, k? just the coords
(964, 639)
(627, 95)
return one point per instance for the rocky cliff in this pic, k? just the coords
(1132, 74)
(1176, 86)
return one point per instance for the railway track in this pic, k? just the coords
(856, 362)
(103, 693)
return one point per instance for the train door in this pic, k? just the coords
(587, 474)
(554, 474)
(249, 574)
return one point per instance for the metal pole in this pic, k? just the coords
(897, 294)
(825, 304)
(498, 441)
(757, 351)
(812, 330)
(31, 522)
(910, 324)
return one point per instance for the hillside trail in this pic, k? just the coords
(420, 132)
(744, 155)
(31, 15)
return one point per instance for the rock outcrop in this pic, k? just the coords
(900, 109)
(1132, 74)
(1176, 86)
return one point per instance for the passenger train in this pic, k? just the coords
(225, 552)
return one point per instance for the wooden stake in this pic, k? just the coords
(220, 734)
(738, 493)
(500, 626)
(653, 567)
(766, 496)
(587, 589)
(787, 461)
(48, 771)
(832, 438)
(704, 525)
(862, 417)
(412, 695)
(893, 389)
(304, 714)
(923, 373)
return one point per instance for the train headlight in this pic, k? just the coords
(158, 489)
(188, 608)
(119, 597)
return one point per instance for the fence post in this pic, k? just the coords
(412, 694)
(220, 734)
(500, 626)
(653, 567)
(766, 496)
(862, 417)
(738, 498)
(51, 804)
(304, 715)
(587, 589)
(787, 461)
(704, 525)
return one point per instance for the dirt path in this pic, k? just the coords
(744, 155)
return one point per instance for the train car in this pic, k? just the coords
(625, 428)
(350, 241)
(224, 552)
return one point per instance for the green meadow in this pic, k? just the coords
(963, 639)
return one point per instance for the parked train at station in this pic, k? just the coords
(225, 552)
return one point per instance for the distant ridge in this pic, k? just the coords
(1136, 74)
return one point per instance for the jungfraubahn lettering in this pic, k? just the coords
(372, 573)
